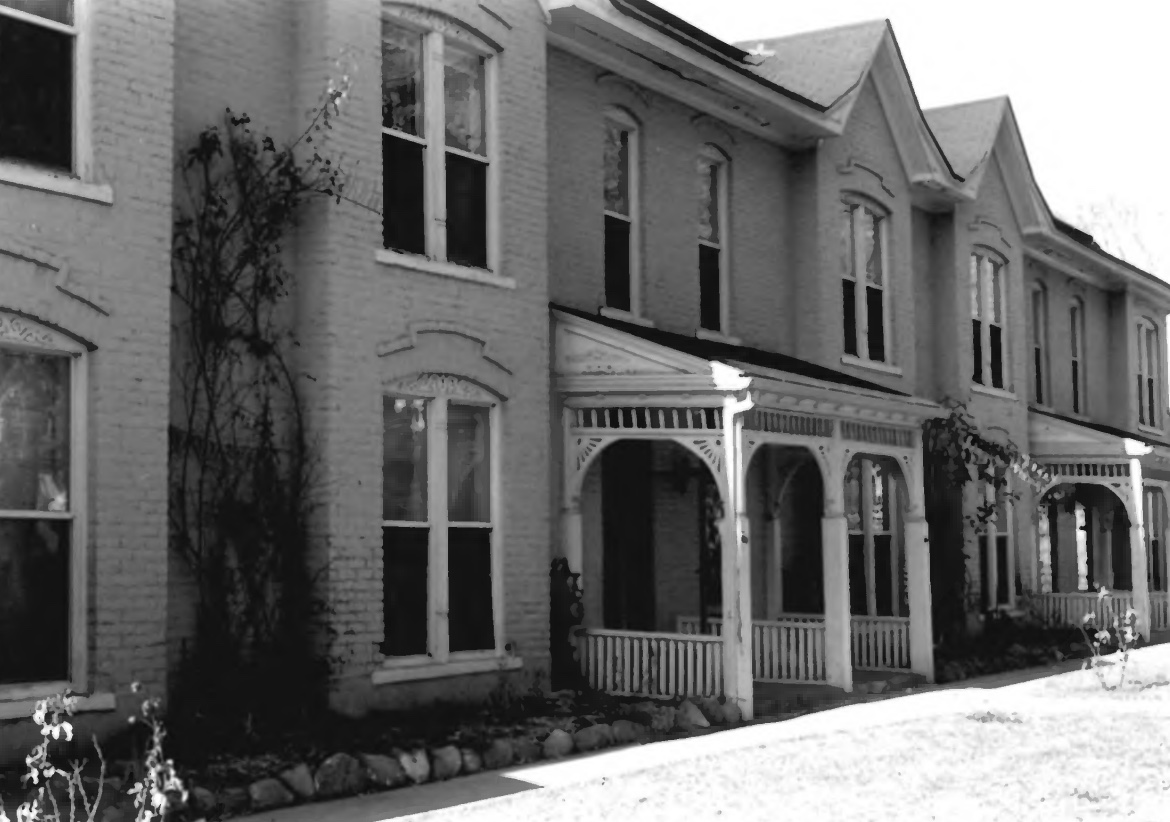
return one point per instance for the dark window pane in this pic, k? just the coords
(617, 263)
(849, 315)
(858, 604)
(1153, 418)
(1141, 400)
(1003, 577)
(466, 211)
(469, 573)
(996, 341)
(404, 590)
(709, 296)
(884, 579)
(34, 600)
(1076, 386)
(984, 573)
(977, 351)
(402, 78)
(403, 186)
(875, 317)
(60, 11)
(36, 94)
(1038, 369)
(34, 431)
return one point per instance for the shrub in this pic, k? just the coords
(1123, 636)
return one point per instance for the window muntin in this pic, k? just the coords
(712, 234)
(620, 210)
(42, 472)
(38, 52)
(1040, 344)
(1076, 323)
(988, 326)
(438, 528)
(438, 174)
(1147, 373)
(865, 305)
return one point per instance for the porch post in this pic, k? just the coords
(572, 535)
(775, 564)
(736, 563)
(917, 539)
(1137, 549)
(835, 554)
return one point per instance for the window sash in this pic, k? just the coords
(1040, 343)
(1147, 367)
(439, 526)
(871, 344)
(1077, 341)
(989, 319)
(433, 139)
(623, 277)
(715, 311)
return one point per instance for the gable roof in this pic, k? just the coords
(820, 65)
(967, 131)
(726, 352)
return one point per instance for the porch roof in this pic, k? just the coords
(1054, 436)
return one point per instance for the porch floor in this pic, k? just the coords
(774, 699)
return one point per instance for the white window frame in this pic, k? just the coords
(439, 395)
(25, 336)
(865, 502)
(1041, 382)
(993, 530)
(435, 151)
(986, 284)
(860, 285)
(1080, 398)
(1148, 371)
(722, 166)
(633, 184)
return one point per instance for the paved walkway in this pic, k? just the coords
(974, 694)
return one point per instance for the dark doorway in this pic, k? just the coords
(627, 527)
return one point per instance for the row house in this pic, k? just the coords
(608, 289)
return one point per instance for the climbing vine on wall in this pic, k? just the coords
(956, 452)
(242, 464)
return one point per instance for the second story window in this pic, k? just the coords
(1040, 341)
(988, 337)
(713, 276)
(864, 266)
(38, 45)
(1076, 322)
(1147, 376)
(620, 163)
(435, 157)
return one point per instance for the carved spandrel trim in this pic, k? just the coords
(21, 331)
(440, 385)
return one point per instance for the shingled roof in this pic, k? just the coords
(820, 65)
(967, 131)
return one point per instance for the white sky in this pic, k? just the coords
(1087, 81)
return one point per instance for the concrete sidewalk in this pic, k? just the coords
(974, 695)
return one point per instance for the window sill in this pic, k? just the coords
(23, 707)
(39, 179)
(392, 672)
(443, 269)
(624, 316)
(717, 336)
(1149, 429)
(987, 391)
(892, 370)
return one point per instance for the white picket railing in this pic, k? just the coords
(881, 643)
(1159, 610)
(633, 663)
(1070, 609)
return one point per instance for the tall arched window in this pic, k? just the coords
(988, 318)
(1040, 343)
(620, 206)
(714, 276)
(1076, 324)
(864, 268)
(1148, 360)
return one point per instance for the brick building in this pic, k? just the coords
(632, 295)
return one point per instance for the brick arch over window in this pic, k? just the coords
(436, 346)
(865, 264)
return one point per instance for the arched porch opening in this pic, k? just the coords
(1083, 540)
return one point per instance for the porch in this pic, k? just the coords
(672, 463)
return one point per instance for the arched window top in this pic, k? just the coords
(714, 153)
(623, 117)
(22, 331)
(430, 385)
(856, 198)
(427, 20)
(995, 256)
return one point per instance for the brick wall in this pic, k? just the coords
(117, 260)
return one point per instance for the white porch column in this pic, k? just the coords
(918, 572)
(736, 564)
(835, 557)
(1137, 549)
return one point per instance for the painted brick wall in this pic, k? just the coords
(117, 258)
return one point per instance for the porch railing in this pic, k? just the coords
(881, 643)
(1159, 610)
(634, 663)
(1070, 609)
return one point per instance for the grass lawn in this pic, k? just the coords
(1059, 748)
